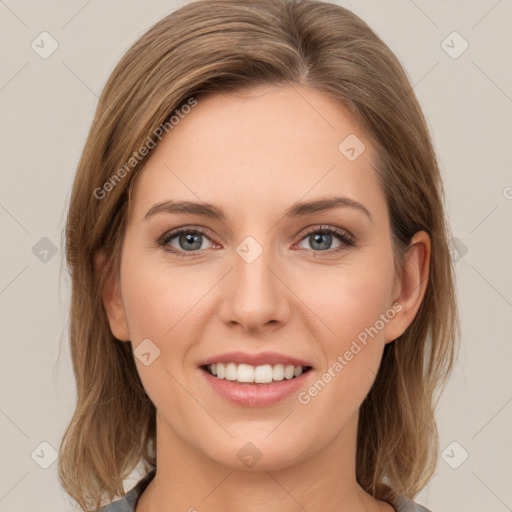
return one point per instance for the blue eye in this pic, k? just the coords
(322, 237)
(190, 241)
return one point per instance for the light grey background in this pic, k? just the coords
(47, 107)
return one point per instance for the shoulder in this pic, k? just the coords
(403, 504)
(129, 501)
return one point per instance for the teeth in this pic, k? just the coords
(231, 371)
(289, 372)
(262, 374)
(257, 374)
(245, 373)
(278, 372)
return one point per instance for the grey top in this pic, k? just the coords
(129, 500)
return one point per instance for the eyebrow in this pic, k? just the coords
(298, 209)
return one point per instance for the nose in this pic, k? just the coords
(255, 296)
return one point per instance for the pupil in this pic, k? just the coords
(190, 239)
(318, 238)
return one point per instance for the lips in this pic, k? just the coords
(252, 394)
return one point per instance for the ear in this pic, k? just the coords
(111, 298)
(410, 289)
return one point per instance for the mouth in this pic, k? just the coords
(265, 374)
(255, 379)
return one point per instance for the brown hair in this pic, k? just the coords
(228, 46)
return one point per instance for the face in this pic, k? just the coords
(314, 285)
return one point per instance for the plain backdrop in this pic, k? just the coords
(47, 106)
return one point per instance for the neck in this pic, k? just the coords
(190, 480)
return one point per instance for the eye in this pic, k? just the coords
(321, 238)
(188, 241)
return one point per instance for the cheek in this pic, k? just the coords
(361, 301)
(158, 299)
(347, 300)
(160, 303)
(352, 302)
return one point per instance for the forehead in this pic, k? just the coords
(261, 149)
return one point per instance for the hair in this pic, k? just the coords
(229, 46)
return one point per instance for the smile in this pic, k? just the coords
(263, 374)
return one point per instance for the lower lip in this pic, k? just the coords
(255, 395)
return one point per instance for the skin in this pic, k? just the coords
(253, 155)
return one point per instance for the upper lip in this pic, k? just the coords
(258, 359)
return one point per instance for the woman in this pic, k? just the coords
(263, 306)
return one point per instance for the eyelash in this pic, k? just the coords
(346, 239)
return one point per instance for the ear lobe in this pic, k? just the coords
(111, 298)
(412, 285)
